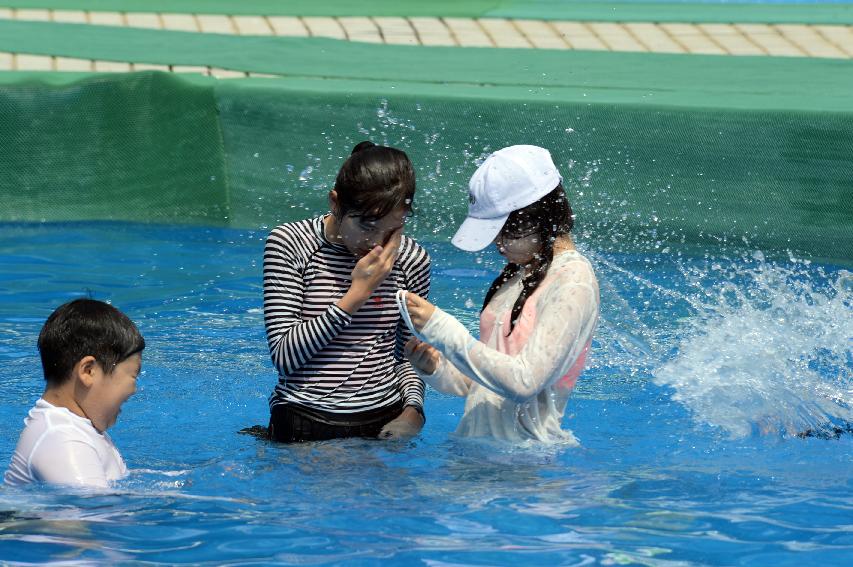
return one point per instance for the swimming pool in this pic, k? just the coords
(696, 355)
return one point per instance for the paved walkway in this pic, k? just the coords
(718, 39)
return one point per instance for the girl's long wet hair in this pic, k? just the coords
(374, 181)
(549, 217)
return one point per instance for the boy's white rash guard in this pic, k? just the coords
(517, 386)
(59, 447)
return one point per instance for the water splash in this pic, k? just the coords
(768, 349)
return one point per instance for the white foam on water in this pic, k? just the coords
(768, 349)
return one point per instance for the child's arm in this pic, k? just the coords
(417, 271)
(435, 370)
(59, 459)
(447, 379)
(566, 316)
(292, 340)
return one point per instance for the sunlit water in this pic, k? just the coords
(705, 373)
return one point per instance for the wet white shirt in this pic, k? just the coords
(60, 447)
(517, 386)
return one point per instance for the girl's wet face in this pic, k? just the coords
(360, 234)
(519, 241)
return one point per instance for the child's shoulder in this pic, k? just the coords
(305, 228)
(296, 238)
(48, 427)
(571, 261)
(51, 418)
(411, 252)
(567, 270)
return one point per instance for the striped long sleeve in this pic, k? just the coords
(326, 359)
(292, 340)
(411, 385)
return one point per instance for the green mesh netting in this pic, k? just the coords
(135, 147)
(657, 150)
(149, 147)
(636, 174)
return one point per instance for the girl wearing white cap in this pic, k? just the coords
(538, 316)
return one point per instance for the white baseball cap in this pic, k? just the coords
(510, 179)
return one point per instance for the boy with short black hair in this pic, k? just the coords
(91, 354)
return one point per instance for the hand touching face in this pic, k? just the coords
(360, 235)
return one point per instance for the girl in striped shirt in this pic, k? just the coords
(334, 332)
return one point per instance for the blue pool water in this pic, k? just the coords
(704, 369)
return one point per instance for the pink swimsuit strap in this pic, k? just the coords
(514, 343)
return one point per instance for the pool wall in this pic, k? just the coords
(769, 11)
(656, 150)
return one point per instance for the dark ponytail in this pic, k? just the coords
(374, 181)
(362, 146)
(551, 216)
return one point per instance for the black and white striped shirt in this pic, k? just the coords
(326, 359)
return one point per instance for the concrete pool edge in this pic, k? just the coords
(705, 80)
(581, 10)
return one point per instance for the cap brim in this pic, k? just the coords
(476, 234)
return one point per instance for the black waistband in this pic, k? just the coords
(383, 415)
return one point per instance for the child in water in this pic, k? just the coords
(538, 316)
(334, 332)
(91, 354)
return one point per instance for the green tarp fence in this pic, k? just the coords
(658, 151)
(624, 11)
(135, 147)
(143, 147)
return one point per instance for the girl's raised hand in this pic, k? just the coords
(375, 266)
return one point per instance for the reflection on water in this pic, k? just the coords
(671, 469)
